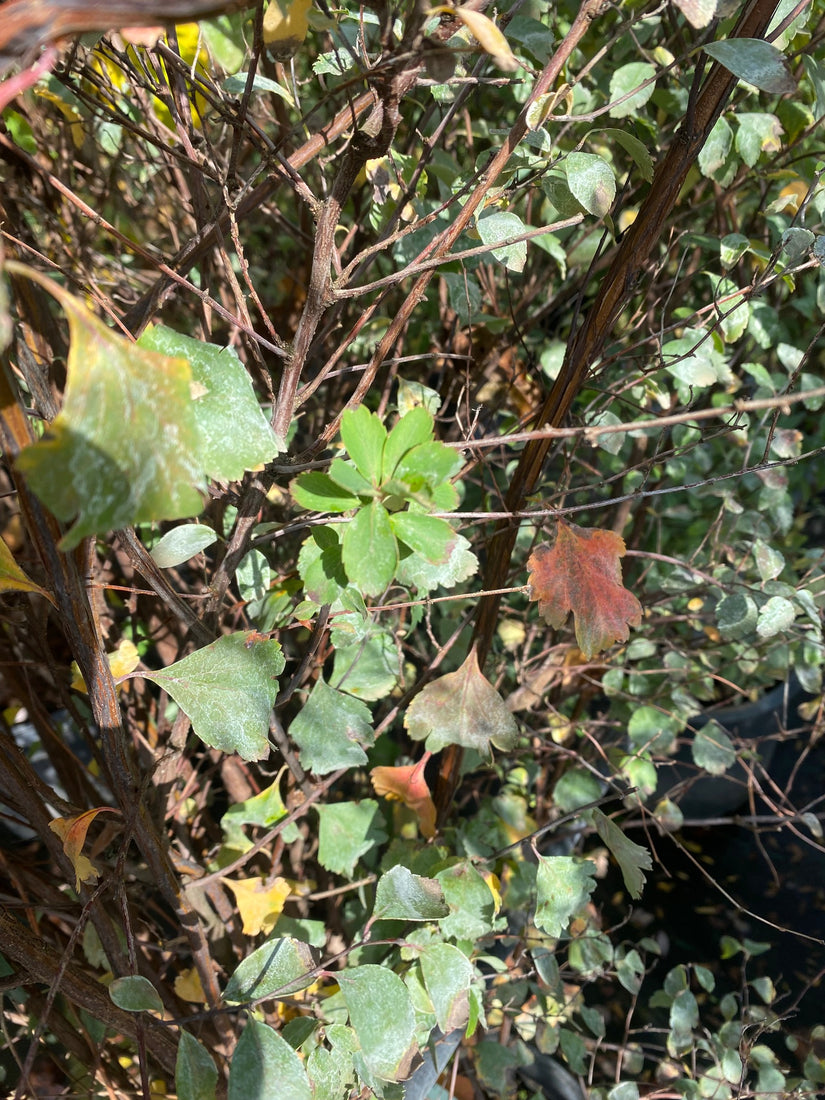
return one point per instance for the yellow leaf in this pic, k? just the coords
(285, 27)
(72, 831)
(12, 577)
(189, 988)
(258, 904)
(124, 660)
(486, 33)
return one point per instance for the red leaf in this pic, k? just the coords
(408, 785)
(581, 573)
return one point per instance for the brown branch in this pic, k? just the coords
(586, 344)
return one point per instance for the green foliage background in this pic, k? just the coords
(362, 274)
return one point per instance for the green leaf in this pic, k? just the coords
(343, 473)
(431, 537)
(472, 905)
(348, 830)
(634, 148)
(253, 576)
(369, 550)
(684, 1016)
(501, 226)
(712, 749)
(332, 730)
(424, 576)
(329, 1071)
(448, 975)
(367, 669)
(195, 1072)
(228, 689)
(652, 730)
(753, 60)
(281, 967)
(563, 887)
(736, 616)
(364, 437)
(757, 132)
(382, 1016)
(265, 1066)
(236, 85)
(135, 994)
(775, 617)
(263, 809)
(125, 447)
(12, 577)
(401, 895)
(235, 436)
(412, 429)
(591, 181)
(181, 544)
(575, 788)
(714, 153)
(734, 316)
(319, 493)
(462, 708)
(631, 857)
(624, 80)
(320, 566)
(429, 464)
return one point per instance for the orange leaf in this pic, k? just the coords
(408, 785)
(581, 573)
(72, 831)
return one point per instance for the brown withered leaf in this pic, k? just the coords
(581, 573)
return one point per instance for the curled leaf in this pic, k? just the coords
(72, 832)
(408, 785)
(486, 33)
(581, 573)
(12, 577)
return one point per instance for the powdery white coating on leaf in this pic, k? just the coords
(754, 60)
(382, 1016)
(581, 573)
(227, 689)
(462, 708)
(265, 1066)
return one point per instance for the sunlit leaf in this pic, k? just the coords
(260, 902)
(591, 181)
(265, 1066)
(625, 80)
(195, 1072)
(12, 577)
(188, 986)
(581, 573)
(233, 433)
(462, 708)
(369, 549)
(122, 661)
(501, 225)
(332, 730)
(408, 784)
(135, 994)
(698, 13)
(471, 901)
(182, 543)
(382, 1016)
(401, 895)
(281, 966)
(447, 974)
(227, 689)
(124, 448)
(487, 34)
(364, 436)
(72, 832)
(348, 830)
(285, 27)
(753, 60)
(429, 536)
(563, 887)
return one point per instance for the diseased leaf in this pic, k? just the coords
(631, 857)
(581, 573)
(698, 13)
(591, 182)
(332, 730)
(348, 830)
(124, 449)
(227, 689)
(500, 226)
(753, 60)
(447, 974)
(401, 895)
(383, 1018)
(265, 1066)
(712, 749)
(487, 34)
(424, 576)
(462, 708)
(624, 81)
(281, 966)
(234, 435)
(195, 1072)
(563, 887)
